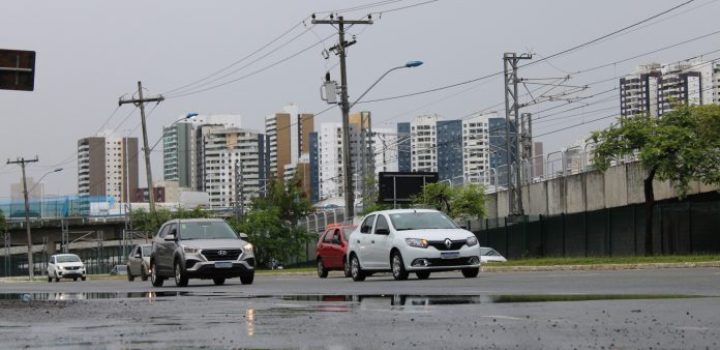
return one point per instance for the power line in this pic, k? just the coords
(251, 73)
(546, 58)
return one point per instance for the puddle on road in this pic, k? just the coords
(328, 300)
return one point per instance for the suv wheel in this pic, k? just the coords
(356, 271)
(181, 279)
(248, 277)
(156, 280)
(321, 270)
(398, 267)
(470, 272)
(219, 281)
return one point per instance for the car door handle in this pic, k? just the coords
(358, 241)
(373, 242)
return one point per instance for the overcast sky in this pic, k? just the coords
(89, 53)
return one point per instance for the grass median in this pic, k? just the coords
(619, 260)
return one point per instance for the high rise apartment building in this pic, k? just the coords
(450, 149)
(403, 147)
(108, 166)
(423, 144)
(179, 154)
(279, 143)
(330, 166)
(233, 165)
(476, 149)
(655, 89)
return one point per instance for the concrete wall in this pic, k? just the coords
(618, 186)
(538, 198)
(575, 193)
(595, 190)
(556, 196)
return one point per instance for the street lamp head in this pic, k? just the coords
(190, 115)
(413, 64)
(57, 170)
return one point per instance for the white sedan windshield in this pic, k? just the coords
(421, 220)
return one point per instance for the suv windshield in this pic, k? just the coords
(206, 230)
(68, 258)
(421, 220)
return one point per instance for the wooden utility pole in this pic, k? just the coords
(345, 106)
(22, 162)
(140, 102)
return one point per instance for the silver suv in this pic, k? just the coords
(200, 248)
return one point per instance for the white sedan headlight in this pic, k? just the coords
(248, 247)
(417, 242)
(471, 241)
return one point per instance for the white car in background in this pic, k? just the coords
(411, 240)
(488, 254)
(65, 266)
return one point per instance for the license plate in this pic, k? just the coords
(449, 255)
(223, 264)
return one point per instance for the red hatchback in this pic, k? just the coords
(332, 248)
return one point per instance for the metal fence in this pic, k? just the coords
(679, 228)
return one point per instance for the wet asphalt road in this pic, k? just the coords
(628, 309)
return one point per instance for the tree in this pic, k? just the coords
(679, 146)
(467, 201)
(272, 223)
(438, 195)
(144, 221)
(370, 198)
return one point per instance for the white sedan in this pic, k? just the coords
(65, 266)
(411, 240)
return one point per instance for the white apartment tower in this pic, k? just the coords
(423, 143)
(233, 163)
(654, 89)
(330, 160)
(476, 149)
(107, 166)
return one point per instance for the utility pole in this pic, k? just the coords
(345, 105)
(140, 102)
(512, 117)
(527, 141)
(22, 162)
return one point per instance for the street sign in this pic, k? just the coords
(401, 187)
(17, 70)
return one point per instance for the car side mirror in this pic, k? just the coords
(382, 231)
(243, 235)
(170, 237)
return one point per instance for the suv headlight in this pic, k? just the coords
(248, 247)
(471, 241)
(191, 250)
(417, 242)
